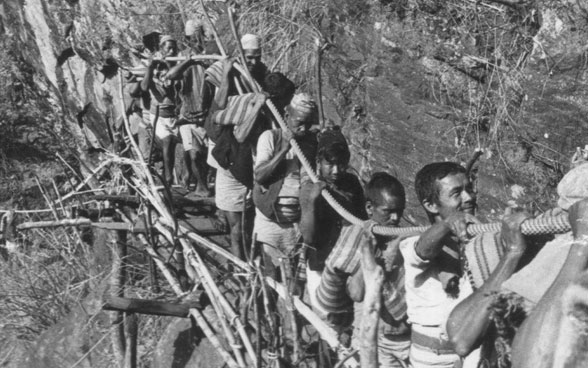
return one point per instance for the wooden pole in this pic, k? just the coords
(223, 320)
(198, 265)
(201, 322)
(215, 293)
(116, 284)
(319, 88)
(254, 86)
(373, 276)
(219, 44)
(286, 271)
(152, 307)
(131, 328)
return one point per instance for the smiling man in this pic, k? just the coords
(433, 278)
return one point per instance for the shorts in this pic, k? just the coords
(193, 137)
(279, 240)
(231, 195)
(165, 127)
(424, 357)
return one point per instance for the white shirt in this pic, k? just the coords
(266, 150)
(428, 303)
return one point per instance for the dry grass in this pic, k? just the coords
(41, 282)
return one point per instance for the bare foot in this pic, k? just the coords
(186, 182)
(202, 192)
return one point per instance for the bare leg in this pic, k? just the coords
(169, 156)
(196, 166)
(201, 169)
(236, 233)
(189, 169)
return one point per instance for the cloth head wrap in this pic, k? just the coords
(303, 104)
(251, 42)
(573, 187)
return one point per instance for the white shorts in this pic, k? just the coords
(193, 137)
(165, 127)
(230, 194)
(278, 239)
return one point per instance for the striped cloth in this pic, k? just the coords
(239, 110)
(331, 294)
(482, 254)
(346, 253)
(191, 92)
(214, 73)
(344, 261)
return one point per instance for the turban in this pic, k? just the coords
(163, 39)
(573, 187)
(303, 104)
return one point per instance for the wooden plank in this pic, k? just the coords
(153, 307)
(127, 199)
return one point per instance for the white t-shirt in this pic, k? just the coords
(428, 303)
(266, 150)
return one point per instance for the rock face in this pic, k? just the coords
(436, 82)
(184, 345)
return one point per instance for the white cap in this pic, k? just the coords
(250, 42)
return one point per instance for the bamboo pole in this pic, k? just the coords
(46, 196)
(175, 285)
(327, 333)
(319, 87)
(212, 337)
(222, 316)
(66, 222)
(153, 307)
(195, 313)
(287, 280)
(197, 263)
(254, 86)
(233, 317)
(219, 44)
(373, 276)
(82, 222)
(273, 324)
(116, 284)
(130, 327)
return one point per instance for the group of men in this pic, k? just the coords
(434, 314)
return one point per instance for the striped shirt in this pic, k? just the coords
(344, 262)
